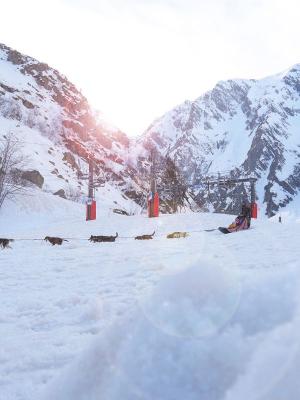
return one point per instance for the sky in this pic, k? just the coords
(136, 59)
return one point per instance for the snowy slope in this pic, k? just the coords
(211, 316)
(57, 128)
(246, 127)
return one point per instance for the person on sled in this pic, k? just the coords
(242, 221)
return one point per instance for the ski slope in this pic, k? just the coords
(208, 317)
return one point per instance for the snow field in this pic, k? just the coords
(253, 356)
(208, 317)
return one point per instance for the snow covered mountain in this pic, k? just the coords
(59, 131)
(243, 127)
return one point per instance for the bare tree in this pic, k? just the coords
(73, 194)
(12, 162)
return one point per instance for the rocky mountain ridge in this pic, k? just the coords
(239, 128)
(58, 129)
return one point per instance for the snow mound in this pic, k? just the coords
(205, 333)
(196, 302)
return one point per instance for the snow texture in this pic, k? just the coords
(208, 317)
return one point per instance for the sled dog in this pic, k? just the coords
(102, 238)
(177, 235)
(145, 237)
(55, 240)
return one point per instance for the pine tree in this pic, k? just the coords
(173, 186)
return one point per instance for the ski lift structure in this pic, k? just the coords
(229, 182)
(223, 180)
(153, 197)
(91, 206)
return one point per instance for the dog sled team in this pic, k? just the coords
(241, 222)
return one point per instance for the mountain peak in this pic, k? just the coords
(244, 127)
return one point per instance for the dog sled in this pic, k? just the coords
(241, 222)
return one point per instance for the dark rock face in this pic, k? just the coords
(61, 193)
(14, 56)
(27, 104)
(34, 177)
(70, 159)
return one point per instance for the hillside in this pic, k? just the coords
(58, 130)
(241, 127)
